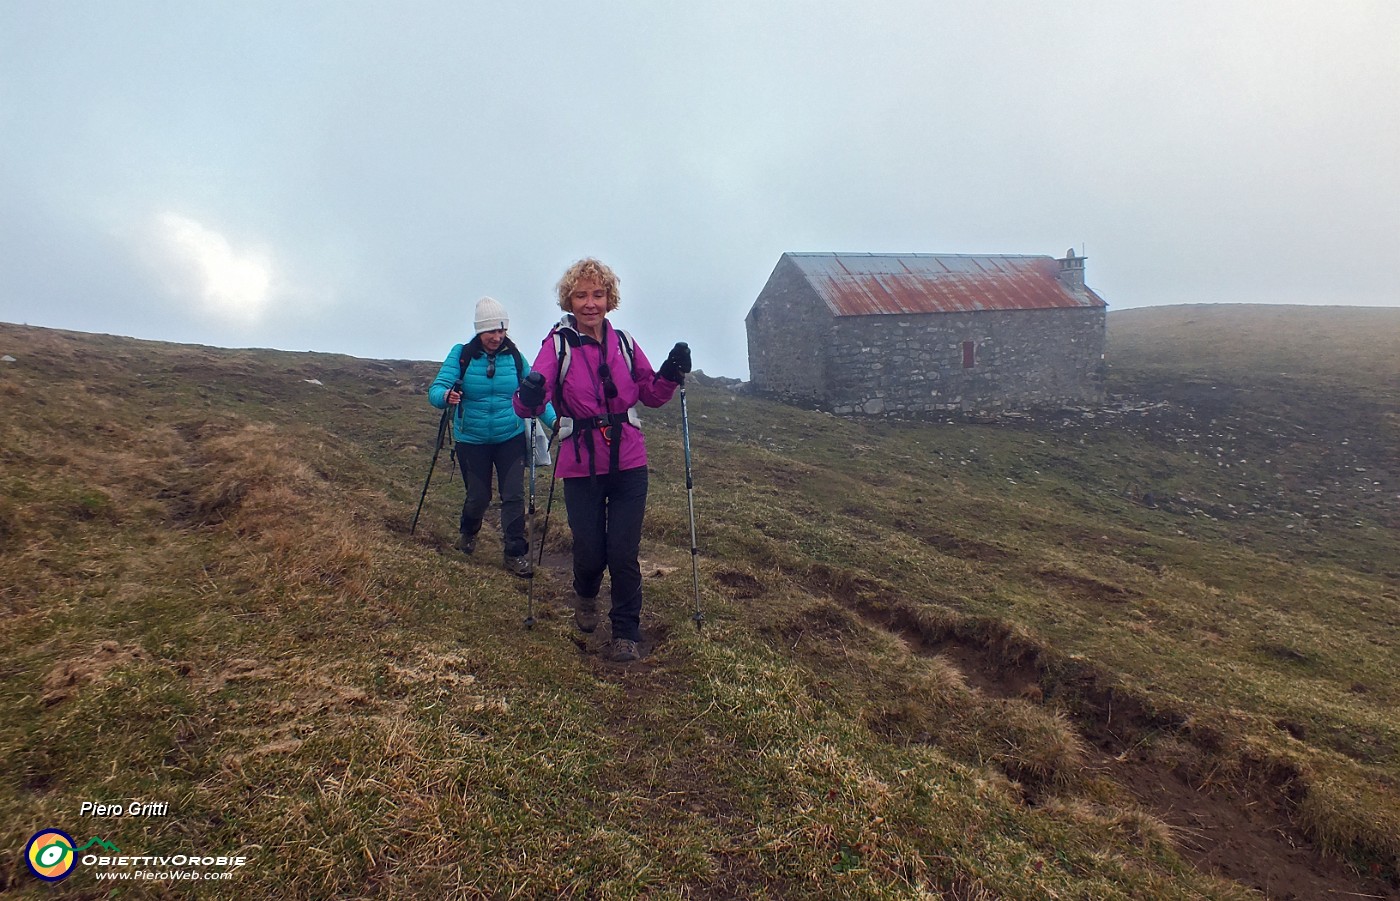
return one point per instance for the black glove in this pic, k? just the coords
(677, 364)
(532, 392)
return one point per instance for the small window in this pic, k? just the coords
(969, 354)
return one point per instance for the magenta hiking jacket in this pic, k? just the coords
(588, 450)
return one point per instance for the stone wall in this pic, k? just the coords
(789, 332)
(913, 364)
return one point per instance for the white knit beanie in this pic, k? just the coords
(490, 315)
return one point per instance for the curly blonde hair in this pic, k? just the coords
(587, 268)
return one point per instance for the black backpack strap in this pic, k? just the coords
(509, 346)
(461, 379)
(470, 350)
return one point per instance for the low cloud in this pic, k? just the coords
(199, 264)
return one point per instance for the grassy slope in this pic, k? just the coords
(938, 658)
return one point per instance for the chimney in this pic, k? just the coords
(1072, 269)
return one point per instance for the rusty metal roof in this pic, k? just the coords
(863, 284)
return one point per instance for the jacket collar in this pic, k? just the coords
(474, 348)
(569, 324)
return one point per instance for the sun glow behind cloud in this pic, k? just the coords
(198, 262)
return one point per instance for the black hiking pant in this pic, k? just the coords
(605, 515)
(508, 460)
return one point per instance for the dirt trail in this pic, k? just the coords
(1247, 838)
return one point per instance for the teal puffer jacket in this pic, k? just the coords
(485, 415)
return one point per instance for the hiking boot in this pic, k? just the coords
(465, 543)
(585, 613)
(623, 650)
(519, 566)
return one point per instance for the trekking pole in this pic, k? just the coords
(699, 617)
(530, 525)
(437, 447)
(548, 505)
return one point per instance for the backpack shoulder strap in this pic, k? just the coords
(463, 357)
(519, 365)
(565, 340)
(624, 340)
(519, 361)
(564, 343)
(462, 364)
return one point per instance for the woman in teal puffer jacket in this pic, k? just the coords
(488, 433)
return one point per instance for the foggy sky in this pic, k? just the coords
(351, 177)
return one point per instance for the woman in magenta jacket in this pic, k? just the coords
(594, 375)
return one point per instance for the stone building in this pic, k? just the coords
(924, 333)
